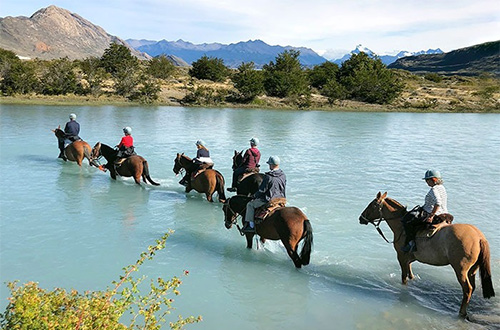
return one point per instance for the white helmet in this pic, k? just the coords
(127, 130)
(72, 116)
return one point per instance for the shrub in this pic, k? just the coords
(432, 76)
(148, 93)
(248, 81)
(160, 67)
(58, 78)
(205, 95)
(211, 68)
(285, 78)
(31, 307)
(118, 58)
(320, 74)
(16, 76)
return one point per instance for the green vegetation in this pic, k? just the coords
(360, 83)
(31, 307)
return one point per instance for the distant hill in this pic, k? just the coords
(470, 61)
(386, 59)
(233, 55)
(55, 32)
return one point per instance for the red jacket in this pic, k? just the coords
(251, 158)
(127, 141)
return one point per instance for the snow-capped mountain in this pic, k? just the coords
(385, 58)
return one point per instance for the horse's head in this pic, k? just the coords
(178, 163)
(237, 159)
(374, 210)
(95, 154)
(233, 207)
(59, 132)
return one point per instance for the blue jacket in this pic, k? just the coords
(273, 186)
(72, 128)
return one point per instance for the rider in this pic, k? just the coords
(436, 202)
(273, 186)
(71, 130)
(250, 161)
(126, 146)
(202, 160)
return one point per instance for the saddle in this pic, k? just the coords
(248, 172)
(266, 210)
(203, 167)
(439, 221)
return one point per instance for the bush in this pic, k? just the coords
(118, 58)
(160, 67)
(334, 91)
(205, 95)
(16, 76)
(31, 307)
(58, 78)
(248, 81)
(320, 74)
(211, 68)
(285, 78)
(432, 76)
(148, 93)
(94, 74)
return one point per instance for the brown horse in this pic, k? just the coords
(462, 246)
(134, 166)
(75, 151)
(288, 224)
(207, 182)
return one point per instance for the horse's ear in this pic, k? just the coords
(379, 194)
(235, 152)
(59, 127)
(384, 195)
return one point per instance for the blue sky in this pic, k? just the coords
(329, 27)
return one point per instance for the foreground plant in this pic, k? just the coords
(31, 307)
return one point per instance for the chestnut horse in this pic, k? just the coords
(462, 246)
(250, 184)
(207, 182)
(288, 224)
(75, 151)
(133, 166)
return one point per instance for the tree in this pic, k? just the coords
(285, 77)
(320, 74)
(248, 81)
(58, 78)
(16, 76)
(126, 79)
(94, 74)
(334, 91)
(211, 68)
(369, 80)
(117, 57)
(160, 67)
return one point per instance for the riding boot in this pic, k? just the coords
(249, 227)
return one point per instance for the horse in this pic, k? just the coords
(206, 182)
(133, 166)
(288, 224)
(250, 183)
(75, 151)
(462, 246)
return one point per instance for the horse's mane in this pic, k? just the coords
(184, 156)
(394, 203)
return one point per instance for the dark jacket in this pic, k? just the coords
(273, 186)
(72, 129)
(202, 153)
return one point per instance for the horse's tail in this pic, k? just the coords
(145, 173)
(220, 186)
(305, 254)
(485, 270)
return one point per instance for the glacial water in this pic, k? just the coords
(71, 227)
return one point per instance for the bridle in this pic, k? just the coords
(376, 222)
(234, 216)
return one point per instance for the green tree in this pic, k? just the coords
(148, 92)
(248, 81)
(118, 57)
(160, 67)
(94, 74)
(334, 91)
(16, 76)
(211, 68)
(285, 78)
(58, 78)
(126, 80)
(320, 74)
(368, 80)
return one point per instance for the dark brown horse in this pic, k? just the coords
(207, 182)
(134, 166)
(250, 183)
(462, 246)
(288, 224)
(75, 151)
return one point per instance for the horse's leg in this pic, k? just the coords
(405, 268)
(291, 249)
(249, 237)
(209, 197)
(410, 272)
(463, 279)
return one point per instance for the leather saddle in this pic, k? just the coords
(248, 172)
(439, 221)
(266, 210)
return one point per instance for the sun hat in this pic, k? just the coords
(273, 160)
(429, 174)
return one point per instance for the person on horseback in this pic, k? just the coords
(126, 146)
(436, 203)
(71, 130)
(273, 186)
(250, 162)
(202, 160)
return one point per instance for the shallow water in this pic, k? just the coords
(73, 227)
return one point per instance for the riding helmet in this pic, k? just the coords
(200, 143)
(273, 160)
(254, 141)
(72, 116)
(127, 130)
(429, 174)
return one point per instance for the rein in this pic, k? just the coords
(376, 222)
(235, 218)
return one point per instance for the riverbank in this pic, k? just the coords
(451, 94)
